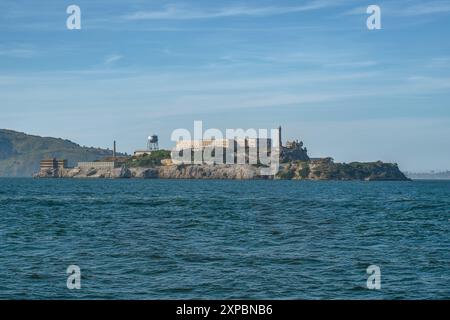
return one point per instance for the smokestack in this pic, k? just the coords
(280, 143)
(114, 149)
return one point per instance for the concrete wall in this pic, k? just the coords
(97, 165)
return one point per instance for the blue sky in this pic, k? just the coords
(142, 67)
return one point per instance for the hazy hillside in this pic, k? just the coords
(20, 153)
(429, 175)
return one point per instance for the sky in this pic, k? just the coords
(141, 67)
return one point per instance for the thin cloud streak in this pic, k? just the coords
(17, 53)
(429, 7)
(175, 12)
(112, 59)
(407, 9)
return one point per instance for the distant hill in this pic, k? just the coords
(21, 153)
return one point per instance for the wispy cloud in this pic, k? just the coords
(176, 12)
(17, 52)
(112, 59)
(356, 11)
(428, 7)
(352, 64)
(427, 83)
(409, 8)
(439, 62)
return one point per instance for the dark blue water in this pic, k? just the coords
(159, 239)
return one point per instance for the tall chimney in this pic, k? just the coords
(114, 149)
(280, 143)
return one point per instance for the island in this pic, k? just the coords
(158, 165)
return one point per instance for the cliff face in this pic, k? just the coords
(326, 169)
(295, 152)
(298, 170)
(238, 172)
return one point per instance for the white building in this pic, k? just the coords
(139, 153)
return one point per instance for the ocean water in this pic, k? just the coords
(167, 239)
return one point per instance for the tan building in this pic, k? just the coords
(197, 145)
(200, 145)
(53, 164)
(98, 165)
(248, 148)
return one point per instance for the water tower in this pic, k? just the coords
(152, 143)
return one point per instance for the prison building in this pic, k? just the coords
(53, 164)
(98, 165)
(250, 147)
(200, 145)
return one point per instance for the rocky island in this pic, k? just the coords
(146, 167)
(292, 161)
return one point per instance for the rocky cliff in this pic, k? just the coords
(324, 169)
(233, 172)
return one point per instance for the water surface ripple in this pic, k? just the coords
(167, 239)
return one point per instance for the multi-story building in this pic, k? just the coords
(53, 164)
(241, 150)
(98, 165)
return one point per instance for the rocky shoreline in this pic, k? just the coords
(324, 169)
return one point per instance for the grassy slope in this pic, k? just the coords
(20, 153)
(150, 160)
(328, 170)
